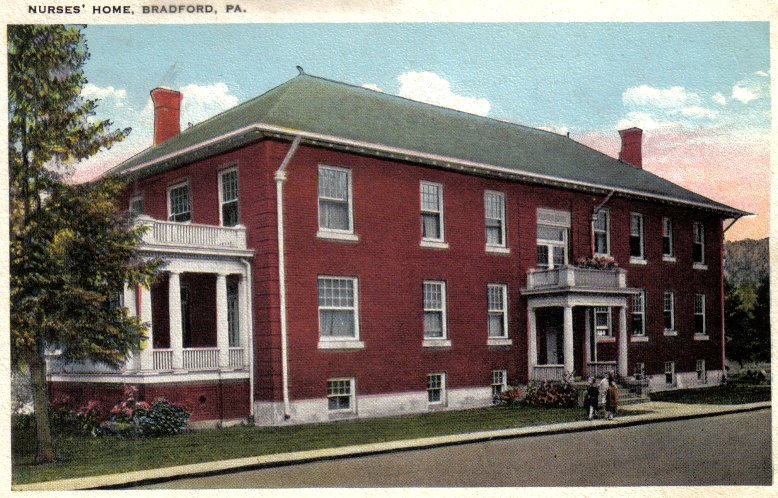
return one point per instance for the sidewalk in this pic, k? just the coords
(644, 413)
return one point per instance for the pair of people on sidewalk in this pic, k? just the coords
(603, 393)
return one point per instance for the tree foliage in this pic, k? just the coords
(70, 248)
(747, 324)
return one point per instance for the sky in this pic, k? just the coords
(700, 91)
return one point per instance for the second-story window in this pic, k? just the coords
(667, 237)
(494, 206)
(136, 205)
(602, 237)
(553, 227)
(636, 249)
(335, 200)
(432, 211)
(179, 203)
(698, 249)
(228, 193)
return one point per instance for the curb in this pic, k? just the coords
(151, 476)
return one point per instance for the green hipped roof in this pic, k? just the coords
(314, 105)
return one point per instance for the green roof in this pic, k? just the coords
(320, 107)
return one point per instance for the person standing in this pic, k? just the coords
(592, 397)
(602, 391)
(611, 401)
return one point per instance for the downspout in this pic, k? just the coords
(594, 218)
(280, 180)
(723, 325)
(250, 325)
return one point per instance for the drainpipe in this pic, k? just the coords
(280, 180)
(723, 330)
(250, 325)
(594, 217)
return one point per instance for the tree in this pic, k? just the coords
(747, 325)
(71, 250)
(761, 320)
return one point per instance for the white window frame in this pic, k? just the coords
(699, 310)
(170, 189)
(434, 341)
(670, 369)
(640, 369)
(337, 342)
(441, 387)
(222, 202)
(336, 233)
(638, 310)
(702, 373)
(133, 200)
(605, 213)
(439, 242)
(671, 310)
(667, 232)
(502, 312)
(503, 246)
(351, 395)
(608, 335)
(641, 258)
(553, 219)
(499, 382)
(698, 237)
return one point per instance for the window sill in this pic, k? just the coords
(701, 337)
(433, 244)
(337, 236)
(699, 266)
(437, 406)
(499, 341)
(498, 250)
(668, 259)
(341, 414)
(606, 339)
(601, 255)
(638, 338)
(436, 343)
(638, 261)
(671, 333)
(334, 344)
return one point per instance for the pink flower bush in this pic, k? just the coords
(597, 263)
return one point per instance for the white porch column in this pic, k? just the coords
(243, 306)
(623, 370)
(532, 347)
(128, 298)
(568, 339)
(146, 355)
(587, 356)
(222, 327)
(174, 312)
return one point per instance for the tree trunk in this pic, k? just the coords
(45, 451)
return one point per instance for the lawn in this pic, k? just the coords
(730, 394)
(84, 456)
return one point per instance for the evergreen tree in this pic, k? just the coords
(71, 250)
(761, 321)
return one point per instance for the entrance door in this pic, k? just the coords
(549, 323)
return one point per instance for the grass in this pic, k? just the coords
(85, 456)
(730, 394)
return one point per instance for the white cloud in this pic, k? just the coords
(697, 111)
(559, 130)
(204, 101)
(426, 86)
(744, 94)
(645, 121)
(116, 95)
(373, 86)
(763, 74)
(719, 98)
(664, 98)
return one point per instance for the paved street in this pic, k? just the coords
(729, 449)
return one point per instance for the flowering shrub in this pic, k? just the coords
(510, 397)
(135, 419)
(551, 395)
(597, 263)
(82, 420)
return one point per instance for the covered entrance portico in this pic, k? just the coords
(577, 319)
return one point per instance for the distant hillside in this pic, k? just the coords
(746, 261)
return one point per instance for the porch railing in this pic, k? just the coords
(201, 358)
(236, 357)
(548, 372)
(571, 276)
(602, 368)
(163, 359)
(192, 235)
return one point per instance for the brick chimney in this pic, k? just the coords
(167, 114)
(631, 147)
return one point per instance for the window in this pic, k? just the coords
(667, 238)
(602, 322)
(432, 211)
(335, 212)
(338, 308)
(698, 249)
(670, 373)
(639, 314)
(636, 248)
(699, 314)
(499, 382)
(553, 227)
(136, 205)
(436, 389)
(640, 370)
(233, 313)
(702, 375)
(228, 194)
(434, 310)
(498, 310)
(340, 394)
(602, 237)
(669, 311)
(179, 203)
(494, 206)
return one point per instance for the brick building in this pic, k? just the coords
(337, 252)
